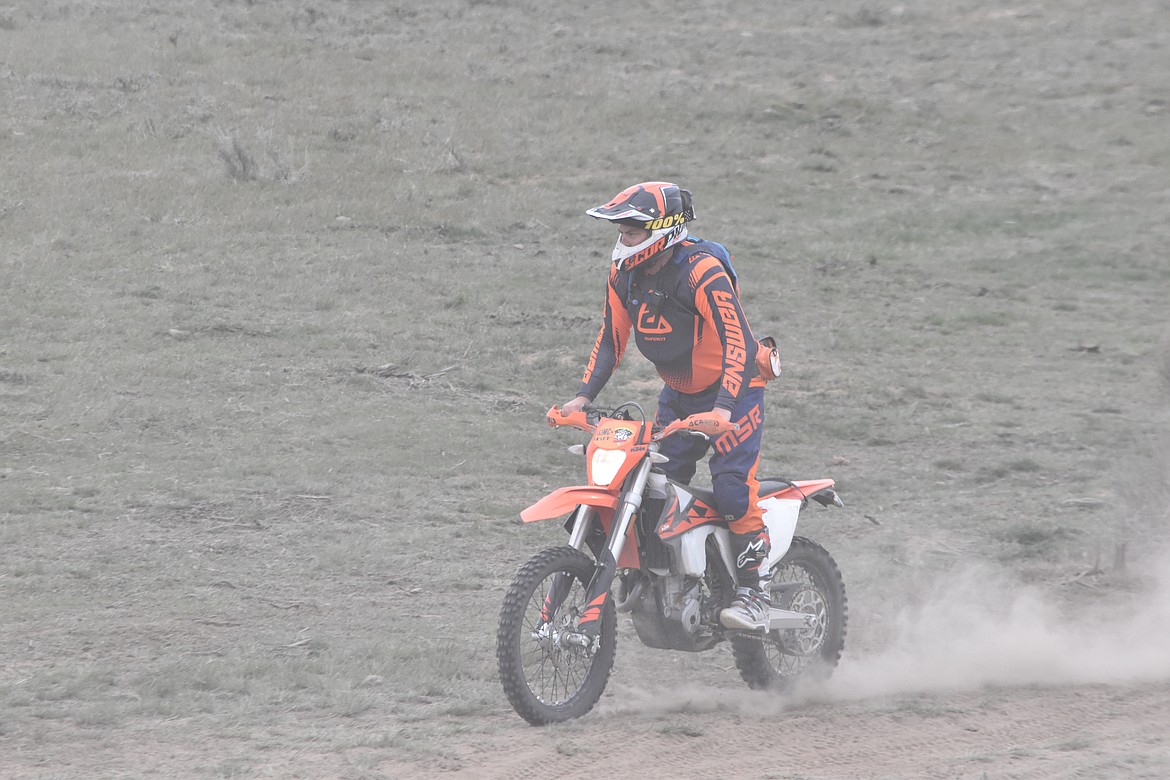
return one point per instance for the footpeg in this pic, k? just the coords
(780, 619)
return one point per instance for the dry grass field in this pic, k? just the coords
(286, 288)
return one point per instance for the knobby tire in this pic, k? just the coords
(546, 682)
(806, 579)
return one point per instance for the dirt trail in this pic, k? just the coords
(1084, 731)
(983, 678)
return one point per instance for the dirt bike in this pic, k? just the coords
(662, 553)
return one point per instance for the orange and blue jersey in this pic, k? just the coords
(686, 320)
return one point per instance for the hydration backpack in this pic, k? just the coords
(692, 246)
(767, 355)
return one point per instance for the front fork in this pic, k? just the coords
(589, 624)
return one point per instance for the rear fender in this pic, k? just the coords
(781, 508)
(780, 515)
(801, 489)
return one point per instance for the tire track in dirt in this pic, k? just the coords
(1027, 733)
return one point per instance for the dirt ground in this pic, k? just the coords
(1073, 731)
(287, 287)
(1097, 731)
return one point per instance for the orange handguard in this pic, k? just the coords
(706, 423)
(574, 419)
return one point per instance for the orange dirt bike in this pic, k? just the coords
(662, 553)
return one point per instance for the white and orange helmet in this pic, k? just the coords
(658, 206)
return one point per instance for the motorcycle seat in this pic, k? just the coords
(772, 484)
(769, 485)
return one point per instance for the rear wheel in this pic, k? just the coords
(805, 580)
(549, 670)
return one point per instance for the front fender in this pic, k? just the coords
(564, 500)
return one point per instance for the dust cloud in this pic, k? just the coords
(982, 628)
(979, 630)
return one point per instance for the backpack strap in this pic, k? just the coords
(683, 252)
(693, 246)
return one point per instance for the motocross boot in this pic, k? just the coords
(748, 611)
(751, 605)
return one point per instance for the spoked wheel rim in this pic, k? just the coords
(551, 671)
(554, 667)
(791, 650)
(806, 581)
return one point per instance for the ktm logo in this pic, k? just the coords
(649, 322)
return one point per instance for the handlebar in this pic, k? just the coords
(706, 424)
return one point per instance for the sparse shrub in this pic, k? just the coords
(241, 164)
(862, 17)
(238, 161)
(995, 473)
(682, 730)
(994, 398)
(1035, 541)
(343, 133)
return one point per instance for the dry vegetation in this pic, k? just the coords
(288, 286)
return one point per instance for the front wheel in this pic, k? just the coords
(550, 671)
(805, 580)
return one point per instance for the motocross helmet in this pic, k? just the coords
(658, 206)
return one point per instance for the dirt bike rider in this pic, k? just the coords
(683, 306)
